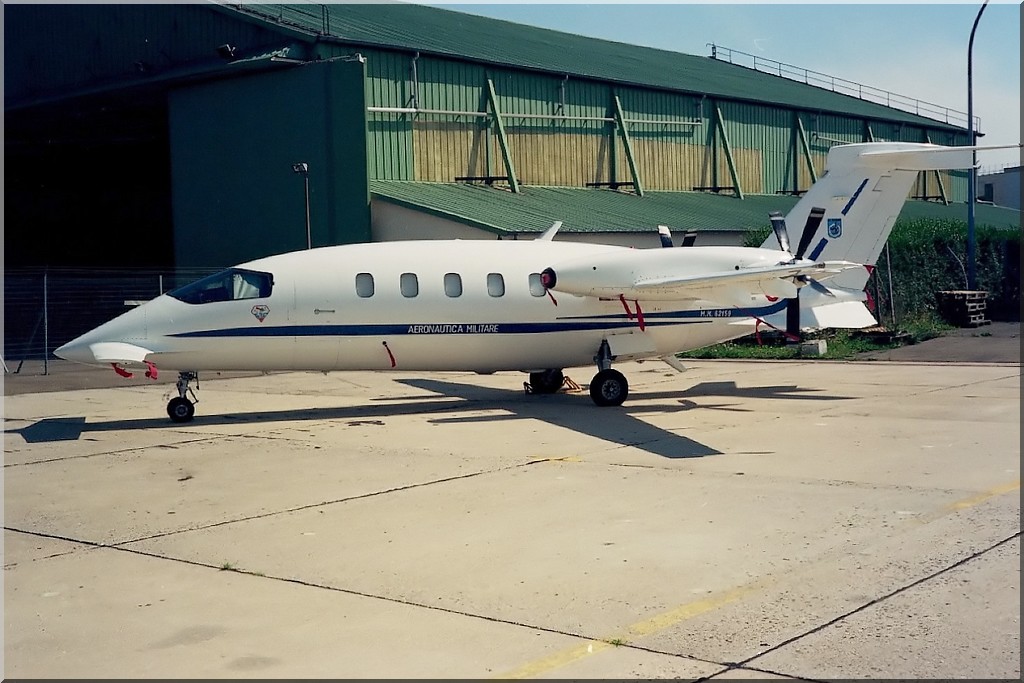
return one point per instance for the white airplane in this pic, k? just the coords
(538, 306)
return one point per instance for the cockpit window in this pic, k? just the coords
(233, 284)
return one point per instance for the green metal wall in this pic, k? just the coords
(233, 143)
(769, 153)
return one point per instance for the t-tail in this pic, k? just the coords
(862, 192)
(849, 212)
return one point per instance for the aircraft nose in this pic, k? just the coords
(76, 351)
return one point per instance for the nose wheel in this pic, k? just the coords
(609, 387)
(180, 408)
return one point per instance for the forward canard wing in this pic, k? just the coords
(120, 355)
(119, 352)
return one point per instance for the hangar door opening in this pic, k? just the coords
(87, 184)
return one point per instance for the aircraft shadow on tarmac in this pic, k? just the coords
(449, 401)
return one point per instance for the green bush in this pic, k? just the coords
(929, 256)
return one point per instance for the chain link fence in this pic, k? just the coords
(46, 308)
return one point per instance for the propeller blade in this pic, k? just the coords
(817, 286)
(811, 227)
(665, 235)
(793, 316)
(689, 238)
(779, 226)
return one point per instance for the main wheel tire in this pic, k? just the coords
(181, 409)
(609, 388)
(546, 382)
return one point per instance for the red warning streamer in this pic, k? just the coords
(121, 371)
(629, 313)
(390, 355)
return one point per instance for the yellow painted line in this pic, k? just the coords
(666, 619)
(966, 503)
(985, 495)
(556, 660)
(656, 623)
(690, 610)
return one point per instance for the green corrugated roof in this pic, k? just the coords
(594, 210)
(493, 41)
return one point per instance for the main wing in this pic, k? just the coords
(727, 275)
(736, 287)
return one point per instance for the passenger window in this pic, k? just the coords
(536, 288)
(410, 285)
(364, 285)
(453, 284)
(495, 284)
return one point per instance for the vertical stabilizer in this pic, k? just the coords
(862, 191)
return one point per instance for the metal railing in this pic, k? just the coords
(843, 86)
(45, 308)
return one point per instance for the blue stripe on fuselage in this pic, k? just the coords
(617, 321)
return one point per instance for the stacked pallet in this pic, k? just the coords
(963, 308)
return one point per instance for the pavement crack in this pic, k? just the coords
(880, 599)
(121, 451)
(309, 506)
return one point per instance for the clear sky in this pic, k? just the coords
(918, 50)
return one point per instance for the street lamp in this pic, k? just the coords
(302, 168)
(972, 185)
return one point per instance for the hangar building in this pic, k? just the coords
(173, 135)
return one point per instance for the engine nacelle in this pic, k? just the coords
(635, 273)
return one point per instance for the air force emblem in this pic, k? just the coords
(835, 228)
(261, 312)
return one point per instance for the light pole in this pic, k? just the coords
(972, 184)
(302, 168)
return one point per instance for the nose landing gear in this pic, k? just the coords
(180, 408)
(609, 387)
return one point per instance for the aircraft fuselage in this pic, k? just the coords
(429, 305)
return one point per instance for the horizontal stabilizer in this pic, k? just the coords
(927, 158)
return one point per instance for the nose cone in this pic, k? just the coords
(78, 351)
(111, 342)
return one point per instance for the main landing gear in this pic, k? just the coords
(609, 387)
(180, 408)
(546, 382)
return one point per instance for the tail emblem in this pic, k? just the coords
(835, 228)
